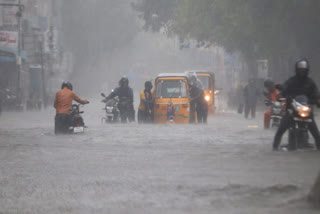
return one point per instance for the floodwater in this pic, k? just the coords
(226, 166)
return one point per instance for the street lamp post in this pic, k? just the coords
(44, 94)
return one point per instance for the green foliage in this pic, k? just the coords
(155, 13)
(256, 28)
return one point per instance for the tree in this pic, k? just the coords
(155, 13)
(271, 29)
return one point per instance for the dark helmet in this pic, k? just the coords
(66, 84)
(148, 85)
(124, 82)
(269, 84)
(302, 67)
(192, 78)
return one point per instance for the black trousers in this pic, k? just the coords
(192, 112)
(127, 112)
(285, 124)
(202, 113)
(62, 123)
(145, 117)
(250, 108)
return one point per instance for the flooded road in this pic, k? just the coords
(224, 167)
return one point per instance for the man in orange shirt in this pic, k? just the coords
(272, 94)
(62, 104)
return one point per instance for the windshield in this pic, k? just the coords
(171, 89)
(205, 82)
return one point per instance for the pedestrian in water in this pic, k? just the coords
(250, 99)
(197, 102)
(62, 104)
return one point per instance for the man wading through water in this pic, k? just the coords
(62, 104)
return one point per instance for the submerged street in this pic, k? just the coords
(226, 166)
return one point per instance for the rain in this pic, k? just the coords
(201, 142)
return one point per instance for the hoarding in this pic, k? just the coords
(9, 39)
(9, 17)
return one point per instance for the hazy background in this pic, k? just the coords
(107, 40)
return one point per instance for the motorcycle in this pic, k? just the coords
(9, 100)
(302, 115)
(277, 111)
(111, 108)
(77, 124)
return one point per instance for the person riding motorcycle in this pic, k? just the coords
(272, 94)
(62, 104)
(300, 84)
(125, 94)
(145, 111)
(197, 101)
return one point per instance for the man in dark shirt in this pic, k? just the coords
(125, 94)
(300, 84)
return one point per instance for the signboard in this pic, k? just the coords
(9, 17)
(9, 39)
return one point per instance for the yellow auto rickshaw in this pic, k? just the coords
(208, 81)
(171, 102)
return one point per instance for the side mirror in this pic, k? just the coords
(102, 94)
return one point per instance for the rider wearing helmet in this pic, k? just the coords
(272, 94)
(145, 112)
(125, 94)
(62, 104)
(300, 84)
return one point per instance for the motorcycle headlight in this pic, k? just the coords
(304, 111)
(207, 98)
(277, 103)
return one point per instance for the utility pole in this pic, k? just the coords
(19, 61)
(44, 94)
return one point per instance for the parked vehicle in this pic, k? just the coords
(9, 100)
(171, 104)
(77, 124)
(111, 109)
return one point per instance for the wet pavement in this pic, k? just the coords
(226, 166)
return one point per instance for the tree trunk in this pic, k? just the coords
(314, 195)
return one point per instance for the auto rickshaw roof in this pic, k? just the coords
(201, 72)
(178, 75)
